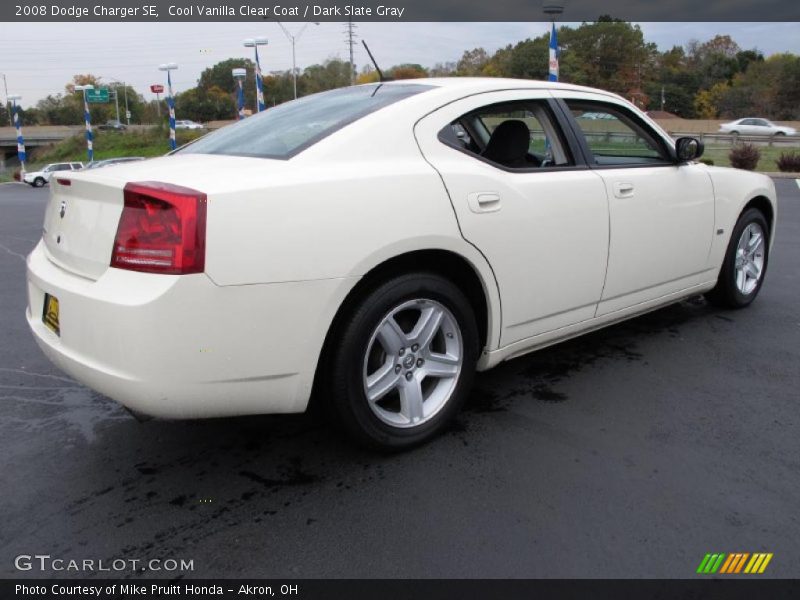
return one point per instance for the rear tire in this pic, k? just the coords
(745, 263)
(402, 362)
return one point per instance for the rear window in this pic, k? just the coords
(290, 128)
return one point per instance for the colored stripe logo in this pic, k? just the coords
(735, 563)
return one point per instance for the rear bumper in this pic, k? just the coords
(181, 346)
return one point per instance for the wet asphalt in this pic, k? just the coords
(630, 452)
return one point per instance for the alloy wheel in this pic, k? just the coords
(749, 261)
(412, 363)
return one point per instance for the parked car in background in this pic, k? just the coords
(753, 126)
(99, 164)
(379, 244)
(187, 124)
(113, 126)
(39, 178)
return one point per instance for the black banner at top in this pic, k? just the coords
(398, 10)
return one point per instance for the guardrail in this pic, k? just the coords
(781, 141)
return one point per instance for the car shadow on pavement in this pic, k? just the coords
(161, 485)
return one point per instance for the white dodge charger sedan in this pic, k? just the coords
(377, 245)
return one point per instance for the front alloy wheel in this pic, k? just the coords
(745, 262)
(750, 258)
(402, 361)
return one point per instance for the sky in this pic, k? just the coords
(40, 58)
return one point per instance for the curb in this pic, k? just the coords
(780, 175)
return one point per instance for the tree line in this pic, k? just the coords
(712, 79)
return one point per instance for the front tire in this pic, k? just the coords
(745, 263)
(404, 361)
(38, 182)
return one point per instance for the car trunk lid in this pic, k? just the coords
(80, 224)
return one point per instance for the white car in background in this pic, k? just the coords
(187, 124)
(109, 162)
(378, 244)
(39, 178)
(752, 126)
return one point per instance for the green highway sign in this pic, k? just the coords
(97, 96)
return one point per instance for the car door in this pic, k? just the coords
(762, 127)
(661, 212)
(750, 127)
(540, 220)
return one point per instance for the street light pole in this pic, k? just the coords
(87, 120)
(170, 102)
(20, 140)
(293, 39)
(255, 43)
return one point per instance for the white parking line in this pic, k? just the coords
(797, 181)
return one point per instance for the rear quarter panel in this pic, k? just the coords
(337, 210)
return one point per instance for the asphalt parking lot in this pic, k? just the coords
(631, 452)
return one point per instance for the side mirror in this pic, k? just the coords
(688, 148)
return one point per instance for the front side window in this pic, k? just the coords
(513, 135)
(616, 137)
(289, 128)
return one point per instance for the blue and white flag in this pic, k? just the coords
(87, 118)
(259, 85)
(20, 140)
(240, 98)
(171, 105)
(553, 62)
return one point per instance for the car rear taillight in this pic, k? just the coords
(162, 230)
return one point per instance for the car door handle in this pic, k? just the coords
(623, 189)
(482, 202)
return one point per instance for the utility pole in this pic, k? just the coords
(127, 110)
(351, 40)
(116, 99)
(8, 102)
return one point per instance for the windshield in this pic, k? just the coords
(289, 128)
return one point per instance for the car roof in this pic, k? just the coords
(479, 84)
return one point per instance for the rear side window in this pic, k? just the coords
(290, 128)
(518, 135)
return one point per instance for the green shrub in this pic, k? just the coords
(789, 162)
(744, 156)
(707, 161)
